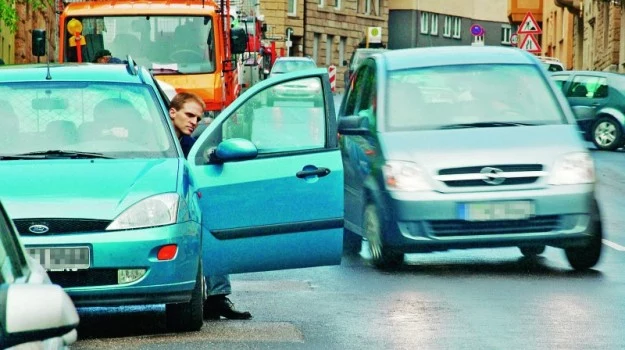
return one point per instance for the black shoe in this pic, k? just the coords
(217, 306)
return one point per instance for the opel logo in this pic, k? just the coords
(38, 229)
(493, 176)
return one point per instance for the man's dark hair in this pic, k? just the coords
(101, 54)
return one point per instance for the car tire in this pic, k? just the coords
(381, 256)
(533, 251)
(607, 134)
(586, 256)
(352, 242)
(189, 316)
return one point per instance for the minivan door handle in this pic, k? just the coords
(321, 172)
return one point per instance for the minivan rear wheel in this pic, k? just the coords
(533, 251)
(381, 256)
(607, 134)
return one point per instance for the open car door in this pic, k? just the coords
(269, 177)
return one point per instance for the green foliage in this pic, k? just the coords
(8, 12)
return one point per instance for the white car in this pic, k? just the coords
(34, 313)
(552, 64)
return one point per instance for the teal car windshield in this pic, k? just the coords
(479, 95)
(105, 119)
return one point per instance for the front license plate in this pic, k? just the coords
(62, 258)
(490, 211)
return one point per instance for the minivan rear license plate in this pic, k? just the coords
(62, 258)
(491, 211)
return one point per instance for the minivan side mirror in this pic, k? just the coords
(34, 312)
(353, 125)
(38, 42)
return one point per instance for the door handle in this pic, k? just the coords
(321, 172)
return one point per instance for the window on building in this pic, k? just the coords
(457, 27)
(369, 7)
(320, 3)
(341, 50)
(447, 26)
(291, 7)
(425, 23)
(315, 47)
(506, 32)
(329, 40)
(337, 4)
(434, 24)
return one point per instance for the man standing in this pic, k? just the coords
(185, 111)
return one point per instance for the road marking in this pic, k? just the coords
(613, 245)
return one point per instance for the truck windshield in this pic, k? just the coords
(81, 119)
(164, 44)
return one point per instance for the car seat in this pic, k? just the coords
(579, 91)
(115, 113)
(61, 133)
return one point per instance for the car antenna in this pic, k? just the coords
(48, 75)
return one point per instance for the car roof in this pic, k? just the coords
(454, 55)
(294, 58)
(118, 73)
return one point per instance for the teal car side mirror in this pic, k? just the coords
(234, 150)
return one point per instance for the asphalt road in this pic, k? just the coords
(464, 299)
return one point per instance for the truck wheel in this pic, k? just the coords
(607, 134)
(381, 256)
(587, 256)
(188, 317)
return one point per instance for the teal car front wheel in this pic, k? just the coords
(188, 317)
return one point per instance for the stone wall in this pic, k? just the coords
(29, 20)
(607, 37)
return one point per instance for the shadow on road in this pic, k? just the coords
(117, 322)
(427, 264)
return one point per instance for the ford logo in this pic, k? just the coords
(38, 229)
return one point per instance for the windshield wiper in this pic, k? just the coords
(484, 125)
(55, 153)
(165, 70)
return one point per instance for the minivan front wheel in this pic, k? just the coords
(607, 134)
(381, 256)
(586, 256)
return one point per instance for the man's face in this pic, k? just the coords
(186, 118)
(104, 59)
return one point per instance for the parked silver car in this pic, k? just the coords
(464, 147)
(34, 313)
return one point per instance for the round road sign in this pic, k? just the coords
(514, 39)
(477, 30)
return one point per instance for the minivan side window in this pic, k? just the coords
(588, 86)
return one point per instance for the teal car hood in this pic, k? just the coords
(452, 148)
(82, 188)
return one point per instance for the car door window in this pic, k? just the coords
(355, 91)
(587, 86)
(560, 81)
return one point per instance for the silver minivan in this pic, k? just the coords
(464, 147)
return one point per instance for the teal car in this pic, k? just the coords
(101, 194)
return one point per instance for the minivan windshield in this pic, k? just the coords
(82, 119)
(479, 95)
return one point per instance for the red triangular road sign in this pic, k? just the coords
(529, 25)
(530, 44)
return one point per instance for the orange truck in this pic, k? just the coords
(187, 44)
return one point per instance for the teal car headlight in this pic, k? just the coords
(573, 169)
(157, 210)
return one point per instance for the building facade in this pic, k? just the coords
(557, 38)
(326, 30)
(421, 23)
(16, 48)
